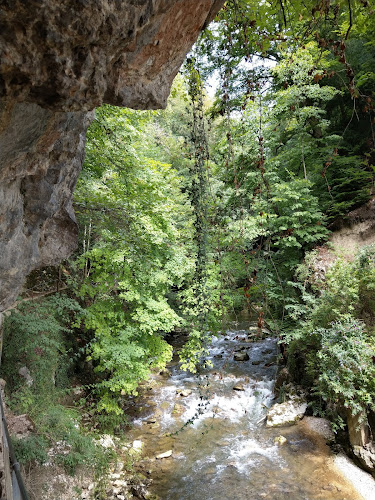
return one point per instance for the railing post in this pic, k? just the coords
(1, 335)
(7, 478)
(12, 484)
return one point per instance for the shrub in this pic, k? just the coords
(31, 449)
(331, 348)
(345, 365)
(35, 336)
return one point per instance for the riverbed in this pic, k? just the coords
(204, 436)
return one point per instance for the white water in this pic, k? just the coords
(225, 451)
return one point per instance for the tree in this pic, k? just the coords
(136, 211)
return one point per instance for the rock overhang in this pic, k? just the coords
(58, 61)
(76, 54)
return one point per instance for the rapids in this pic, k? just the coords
(225, 451)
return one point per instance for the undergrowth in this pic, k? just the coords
(38, 337)
(331, 347)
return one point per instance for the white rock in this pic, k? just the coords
(166, 454)
(119, 466)
(115, 475)
(136, 448)
(106, 441)
(119, 484)
(137, 445)
(280, 440)
(185, 393)
(25, 373)
(288, 413)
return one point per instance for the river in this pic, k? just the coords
(226, 451)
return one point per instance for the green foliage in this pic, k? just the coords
(31, 450)
(303, 140)
(198, 300)
(337, 362)
(74, 447)
(339, 300)
(347, 289)
(271, 237)
(202, 311)
(330, 347)
(35, 337)
(60, 438)
(345, 366)
(139, 220)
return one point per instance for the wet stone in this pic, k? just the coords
(241, 356)
(280, 440)
(178, 410)
(165, 373)
(166, 454)
(288, 413)
(221, 444)
(185, 393)
(267, 351)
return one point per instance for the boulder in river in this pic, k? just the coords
(321, 426)
(178, 410)
(288, 413)
(366, 456)
(241, 356)
(185, 393)
(280, 440)
(360, 438)
(259, 332)
(166, 454)
(238, 387)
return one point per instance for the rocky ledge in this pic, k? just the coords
(58, 61)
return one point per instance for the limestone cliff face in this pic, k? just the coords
(58, 61)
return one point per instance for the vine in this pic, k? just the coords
(198, 311)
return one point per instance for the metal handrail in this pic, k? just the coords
(17, 481)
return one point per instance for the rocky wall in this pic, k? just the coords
(58, 61)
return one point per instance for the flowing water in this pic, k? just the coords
(225, 451)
